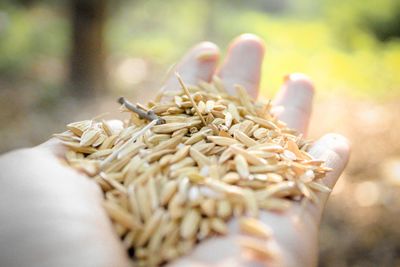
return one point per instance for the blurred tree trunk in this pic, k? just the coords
(87, 73)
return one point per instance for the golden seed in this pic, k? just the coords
(176, 173)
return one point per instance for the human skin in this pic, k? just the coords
(51, 215)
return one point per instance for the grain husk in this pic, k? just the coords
(169, 186)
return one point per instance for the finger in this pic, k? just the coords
(243, 64)
(198, 64)
(334, 149)
(293, 103)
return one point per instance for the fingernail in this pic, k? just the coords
(286, 78)
(207, 51)
(207, 55)
(299, 78)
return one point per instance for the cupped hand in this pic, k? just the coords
(51, 215)
(295, 232)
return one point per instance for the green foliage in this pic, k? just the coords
(380, 18)
(331, 44)
(156, 30)
(28, 35)
(346, 46)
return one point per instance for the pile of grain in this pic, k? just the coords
(206, 157)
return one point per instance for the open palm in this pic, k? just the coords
(52, 215)
(295, 237)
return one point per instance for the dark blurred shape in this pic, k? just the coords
(385, 28)
(271, 6)
(87, 73)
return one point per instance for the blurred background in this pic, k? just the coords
(62, 61)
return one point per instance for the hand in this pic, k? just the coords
(52, 215)
(295, 237)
